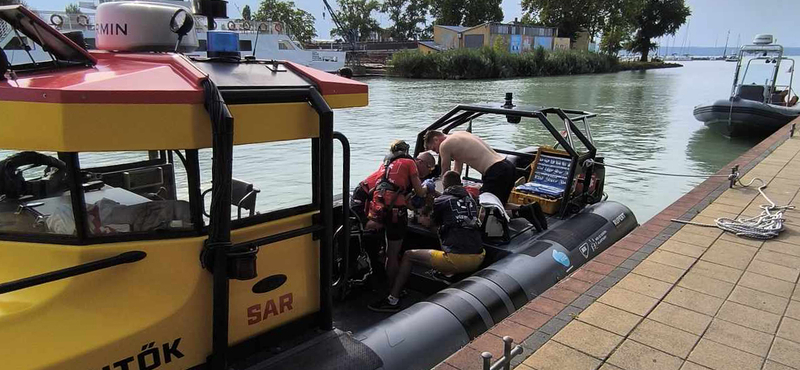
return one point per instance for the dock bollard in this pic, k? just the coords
(791, 132)
(505, 361)
(734, 176)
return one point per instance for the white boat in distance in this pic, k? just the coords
(270, 40)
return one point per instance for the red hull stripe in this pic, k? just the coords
(329, 84)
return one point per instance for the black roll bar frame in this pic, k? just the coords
(464, 113)
(322, 149)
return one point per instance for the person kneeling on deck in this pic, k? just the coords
(498, 174)
(455, 213)
(382, 199)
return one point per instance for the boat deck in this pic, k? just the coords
(670, 296)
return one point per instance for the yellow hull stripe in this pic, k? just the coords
(119, 127)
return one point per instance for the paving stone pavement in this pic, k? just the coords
(683, 297)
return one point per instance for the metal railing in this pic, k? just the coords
(505, 361)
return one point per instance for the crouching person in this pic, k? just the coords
(455, 213)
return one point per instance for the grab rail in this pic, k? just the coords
(47, 277)
(345, 209)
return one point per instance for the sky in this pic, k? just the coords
(710, 21)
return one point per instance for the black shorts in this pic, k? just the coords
(499, 180)
(396, 228)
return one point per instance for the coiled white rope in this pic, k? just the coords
(767, 225)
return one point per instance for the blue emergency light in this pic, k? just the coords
(222, 44)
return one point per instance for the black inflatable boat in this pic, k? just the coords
(759, 103)
(521, 263)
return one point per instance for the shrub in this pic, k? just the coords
(494, 63)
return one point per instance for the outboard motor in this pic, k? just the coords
(136, 26)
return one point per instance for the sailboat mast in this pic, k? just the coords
(725, 51)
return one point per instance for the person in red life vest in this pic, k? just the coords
(381, 200)
(455, 214)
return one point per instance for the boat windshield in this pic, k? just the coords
(757, 71)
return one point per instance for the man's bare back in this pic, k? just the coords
(466, 148)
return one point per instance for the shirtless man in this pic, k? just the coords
(499, 175)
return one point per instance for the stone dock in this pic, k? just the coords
(673, 296)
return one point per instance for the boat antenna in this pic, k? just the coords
(255, 44)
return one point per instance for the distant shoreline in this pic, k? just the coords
(487, 63)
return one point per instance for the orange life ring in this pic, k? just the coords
(231, 25)
(278, 27)
(246, 25)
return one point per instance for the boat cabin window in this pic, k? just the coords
(17, 43)
(34, 196)
(268, 178)
(285, 45)
(135, 192)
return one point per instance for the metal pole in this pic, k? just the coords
(345, 211)
(326, 207)
(487, 360)
(507, 342)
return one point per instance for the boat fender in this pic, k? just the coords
(278, 27)
(83, 20)
(263, 27)
(231, 25)
(246, 26)
(56, 20)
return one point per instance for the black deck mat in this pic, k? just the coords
(340, 352)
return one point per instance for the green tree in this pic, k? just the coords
(466, 12)
(617, 25)
(72, 9)
(296, 21)
(653, 19)
(356, 18)
(481, 11)
(409, 18)
(246, 13)
(448, 12)
(615, 37)
(569, 17)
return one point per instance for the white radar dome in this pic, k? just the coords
(141, 26)
(763, 39)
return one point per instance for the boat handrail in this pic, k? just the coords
(84, 268)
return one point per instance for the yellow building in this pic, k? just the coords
(517, 38)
